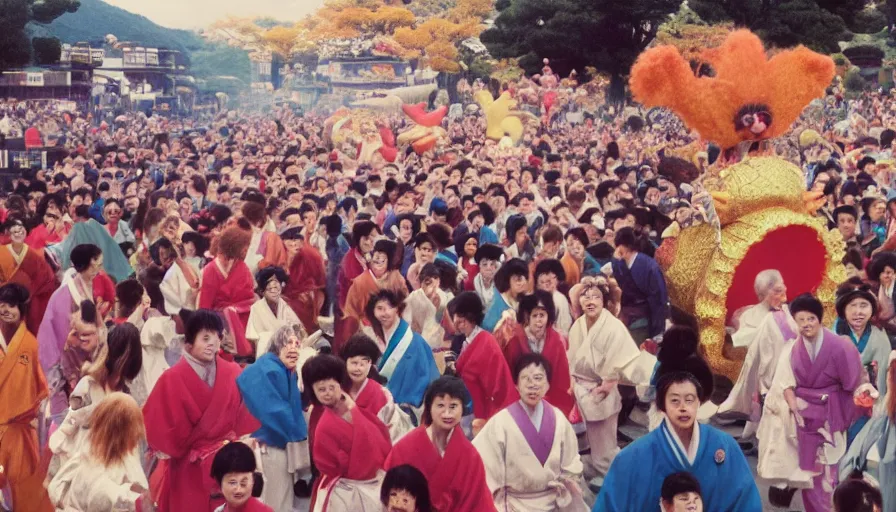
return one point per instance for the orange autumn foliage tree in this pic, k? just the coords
(692, 40)
(435, 42)
(343, 21)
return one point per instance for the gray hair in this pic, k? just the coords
(765, 281)
(281, 337)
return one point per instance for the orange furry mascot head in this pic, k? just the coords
(750, 98)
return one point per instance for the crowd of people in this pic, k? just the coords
(228, 312)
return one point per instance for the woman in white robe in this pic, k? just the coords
(105, 472)
(121, 352)
(529, 449)
(180, 286)
(602, 354)
(270, 312)
(162, 347)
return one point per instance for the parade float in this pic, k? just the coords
(765, 217)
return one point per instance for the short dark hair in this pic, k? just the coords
(625, 237)
(16, 296)
(158, 244)
(580, 235)
(679, 483)
(394, 299)
(361, 229)
(407, 478)
(233, 457)
(666, 381)
(537, 299)
(202, 320)
(856, 495)
(447, 385)
(467, 305)
(360, 344)
(512, 267)
(429, 271)
(531, 359)
(129, 294)
(125, 353)
(319, 368)
(264, 275)
(82, 256)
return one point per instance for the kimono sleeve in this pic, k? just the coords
(739, 493)
(491, 443)
(330, 451)
(167, 425)
(619, 486)
(260, 391)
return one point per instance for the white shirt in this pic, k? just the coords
(813, 348)
(889, 290)
(690, 451)
(470, 338)
(535, 416)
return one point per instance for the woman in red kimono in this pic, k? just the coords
(304, 292)
(227, 286)
(384, 274)
(350, 444)
(23, 265)
(353, 264)
(535, 333)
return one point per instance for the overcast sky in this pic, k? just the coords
(200, 13)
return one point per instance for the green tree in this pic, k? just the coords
(820, 25)
(606, 34)
(47, 50)
(15, 48)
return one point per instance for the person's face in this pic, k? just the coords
(293, 246)
(405, 231)
(10, 315)
(887, 276)
(310, 219)
(379, 263)
(777, 295)
(488, 268)
(88, 337)
(386, 314)
(17, 234)
(575, 248)
(877, 210)
(846, 224)
(76, 202)
(446, 412)
(237, 488)
(592, 302)
(95, 266)
(532, 384)
(684, 502)
(401, 500)
(538, 322)
(166, 256)
(132, 203)
(808, 323)
(205, 347)
(289, 353)
(272, 290)
(365, 245)
(169, 230)
(186, 205)
(518, 285)
(521, 237)
(547, 282)
(358, 368)
(328, 392)
(682, 402)
(424, 253)
(858, 313)
(470, 247)
(652, 196)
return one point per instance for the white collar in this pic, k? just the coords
(691, 451)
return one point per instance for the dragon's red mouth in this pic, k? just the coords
(795, 250)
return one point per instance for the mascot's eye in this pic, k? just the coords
(746, 120)
(765, 118)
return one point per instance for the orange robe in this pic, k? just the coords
(35, 274)
(272, 250)
(22, 388)
(572, 269)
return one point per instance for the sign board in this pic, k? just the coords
(35, 80)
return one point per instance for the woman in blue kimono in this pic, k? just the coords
(512, 282)
(873, 451)
(407, 360)
(636, 476)
(271, 392)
